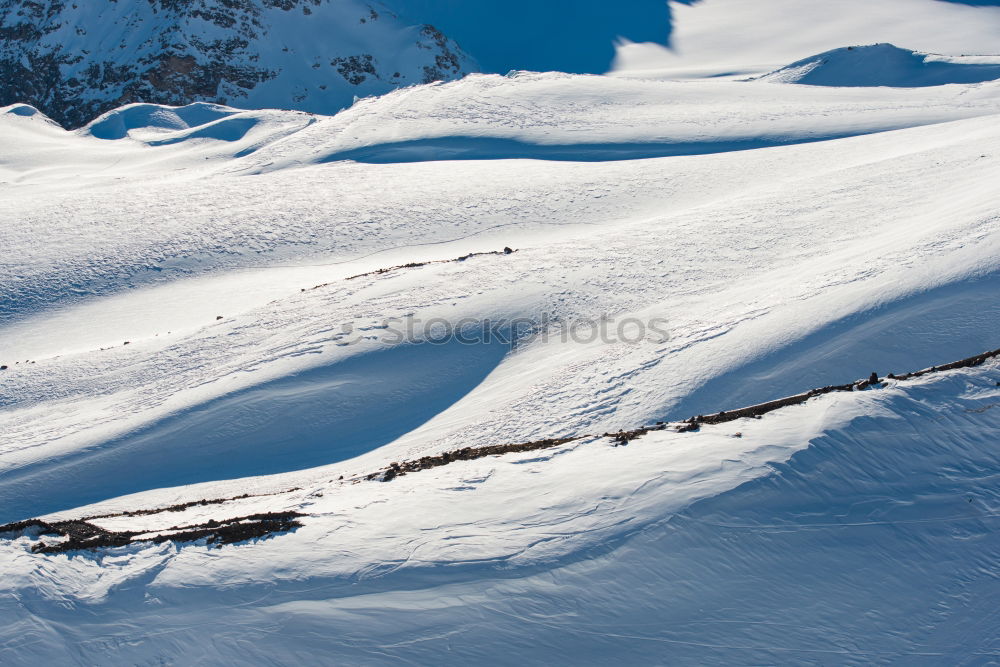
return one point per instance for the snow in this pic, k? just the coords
(184, 319)
(886, 65)
(712, 38)
(699, 547)
(121, 122)
(25, 110)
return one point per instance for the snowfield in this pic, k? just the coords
(696, 548)
(193, 309)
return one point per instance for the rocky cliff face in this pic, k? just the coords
(75, 59)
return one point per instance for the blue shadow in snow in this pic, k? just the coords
(117, 123)
(228, 129)
(887, 65)
(935, 327)
(320, 416)
(492, 148)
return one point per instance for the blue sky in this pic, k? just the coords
(567, 35)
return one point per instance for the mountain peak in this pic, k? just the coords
(75, 61)
(885, 65)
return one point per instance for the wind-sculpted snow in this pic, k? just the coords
(886, 65)
(734, 38)
(958, 316)
(573, 222)
(784, 544)
(311, 418)
(186, 229)
(118, 123)
(562, 117)
(206, 303)
(21, 110)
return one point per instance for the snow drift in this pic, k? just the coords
(118, 123)
(703, 547)
(197, 336)
(886, 65)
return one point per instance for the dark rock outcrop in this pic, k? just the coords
(81, 534)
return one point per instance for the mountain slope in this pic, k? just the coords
(150, 237)
(286, 388)
(76, 60)
(886, 65)
(858, 528)
(739, 38)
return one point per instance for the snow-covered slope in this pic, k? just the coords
(215, 317)
(739, 38)
(169, 234)
(77, 60)
(886, 65)
(858, 529)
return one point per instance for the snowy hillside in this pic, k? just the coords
(454, 376)
(77, 60)
(713, 38)
(886, 65)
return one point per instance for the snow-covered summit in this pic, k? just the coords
(886, 65)
(25, 110)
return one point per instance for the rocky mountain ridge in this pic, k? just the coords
(76, 60)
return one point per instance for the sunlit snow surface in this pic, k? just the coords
(791, 236)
